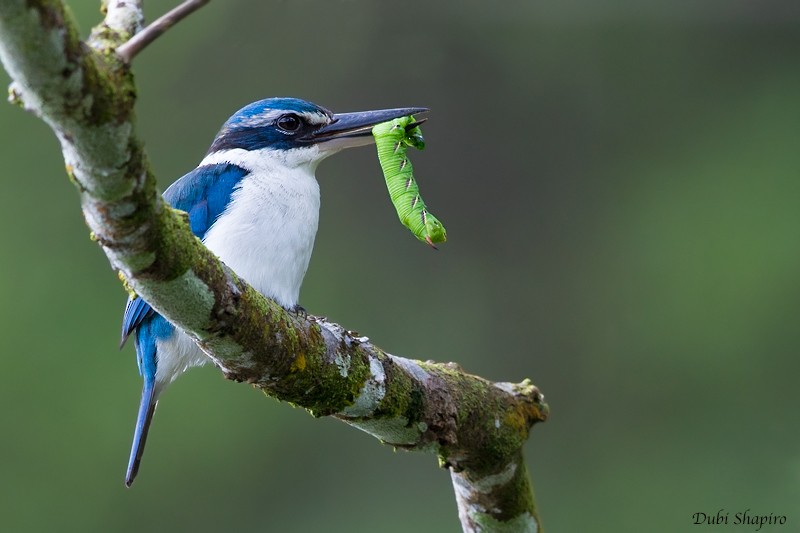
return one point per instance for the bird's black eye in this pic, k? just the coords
(289, 123)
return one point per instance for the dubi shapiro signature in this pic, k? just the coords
(746, 517)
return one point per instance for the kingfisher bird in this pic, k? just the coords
(253, 201)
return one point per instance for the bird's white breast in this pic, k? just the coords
(266, 234)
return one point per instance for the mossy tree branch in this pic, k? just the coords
(85, 92)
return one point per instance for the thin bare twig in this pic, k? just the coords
(139, 41)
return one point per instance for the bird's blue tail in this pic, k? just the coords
(146, 409)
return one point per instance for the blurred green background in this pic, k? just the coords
(619, 181)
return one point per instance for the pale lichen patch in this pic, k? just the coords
(411, 367)
(489, 483)
(394, 431)
(471, 510)
(506, 387)
(123, 209)
(342, 362)
(371, 394)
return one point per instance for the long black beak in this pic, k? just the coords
(359, 124)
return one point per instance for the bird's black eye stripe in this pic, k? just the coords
(289, 123)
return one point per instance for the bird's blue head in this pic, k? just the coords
(291, 123)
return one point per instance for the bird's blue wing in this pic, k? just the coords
(135, 312)
(203, 193)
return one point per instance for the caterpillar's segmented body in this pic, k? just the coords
(393, 139)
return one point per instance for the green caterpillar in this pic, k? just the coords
(393, 139)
